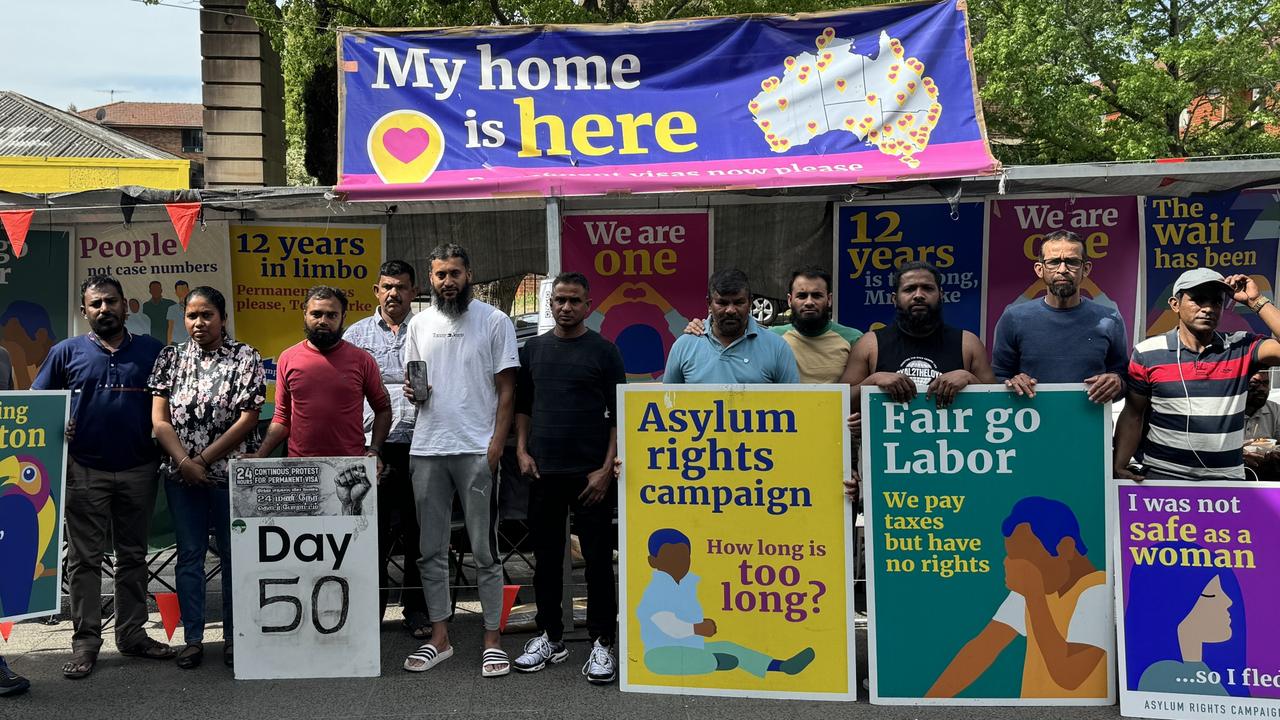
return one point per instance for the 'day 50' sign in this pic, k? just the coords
(304, 545)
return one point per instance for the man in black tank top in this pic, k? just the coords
(918, 352)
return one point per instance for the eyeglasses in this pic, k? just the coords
(1055, 263)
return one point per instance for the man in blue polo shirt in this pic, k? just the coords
(111, 476)
(736, 350)
(1187, 387)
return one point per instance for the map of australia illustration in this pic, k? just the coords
(885, 100)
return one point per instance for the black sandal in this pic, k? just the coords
(228, 655)
(418, 625)
(149, 649)
(80, 665)
(191, 656)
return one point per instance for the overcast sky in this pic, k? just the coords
(74, 51)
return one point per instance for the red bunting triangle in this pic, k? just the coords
(16, 225)
(509, 593)
(170, 613)
(5, 629)
(184, 217)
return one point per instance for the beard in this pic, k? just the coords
(323, 339)
(106, 325)
(455, 307)
(810, 325)
(1063, 290)
(920, 324)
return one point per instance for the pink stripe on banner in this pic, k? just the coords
(941, 160)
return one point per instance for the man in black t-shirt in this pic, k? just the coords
(566, 443)
(918, 352)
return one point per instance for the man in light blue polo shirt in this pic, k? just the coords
(737, 350)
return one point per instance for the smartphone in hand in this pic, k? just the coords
(415, 373)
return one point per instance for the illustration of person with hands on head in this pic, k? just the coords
(674, 632)
(1182, 623)
(1058, 600)
(26, 331)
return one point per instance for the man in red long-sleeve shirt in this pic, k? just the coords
(321, 384)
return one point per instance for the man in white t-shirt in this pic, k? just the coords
(1058, 600)
(470, 351)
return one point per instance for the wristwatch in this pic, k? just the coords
(1260, 303)
(374, 450)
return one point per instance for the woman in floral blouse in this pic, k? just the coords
(208, 393)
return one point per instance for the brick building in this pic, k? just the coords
(1213, 109)
(177, 128)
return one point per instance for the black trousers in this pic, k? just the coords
(551, 498)
(397, 520)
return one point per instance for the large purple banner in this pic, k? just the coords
(1197, 598)
(866, 95)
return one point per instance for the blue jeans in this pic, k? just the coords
(195, 510)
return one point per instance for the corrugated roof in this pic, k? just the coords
(29, 128)
(147, 114)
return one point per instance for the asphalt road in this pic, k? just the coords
(138, 689)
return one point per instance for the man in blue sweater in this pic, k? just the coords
(1062, 338)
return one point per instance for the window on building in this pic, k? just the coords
(193, 140)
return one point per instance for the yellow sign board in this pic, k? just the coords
(736, 562)
(273, 266)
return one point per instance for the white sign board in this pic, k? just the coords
(304, 551)
(545, 320)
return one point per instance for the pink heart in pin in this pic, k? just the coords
(406, 145)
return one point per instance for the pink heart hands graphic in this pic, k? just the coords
(406, 145)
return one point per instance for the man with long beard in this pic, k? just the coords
(1066, 338)
(918, 353)
(322, 384)
(469, 348)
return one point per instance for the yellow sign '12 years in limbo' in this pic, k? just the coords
(273, 266)
(735, 561)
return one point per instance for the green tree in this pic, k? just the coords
(1089, 80)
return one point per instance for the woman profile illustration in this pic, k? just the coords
(1184, 627)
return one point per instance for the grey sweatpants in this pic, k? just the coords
(435, 479)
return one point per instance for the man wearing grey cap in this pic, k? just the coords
(1188, 386)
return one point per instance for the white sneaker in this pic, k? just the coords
(600, 667)
(538, 652)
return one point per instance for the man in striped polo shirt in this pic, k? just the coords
(1193, 381)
